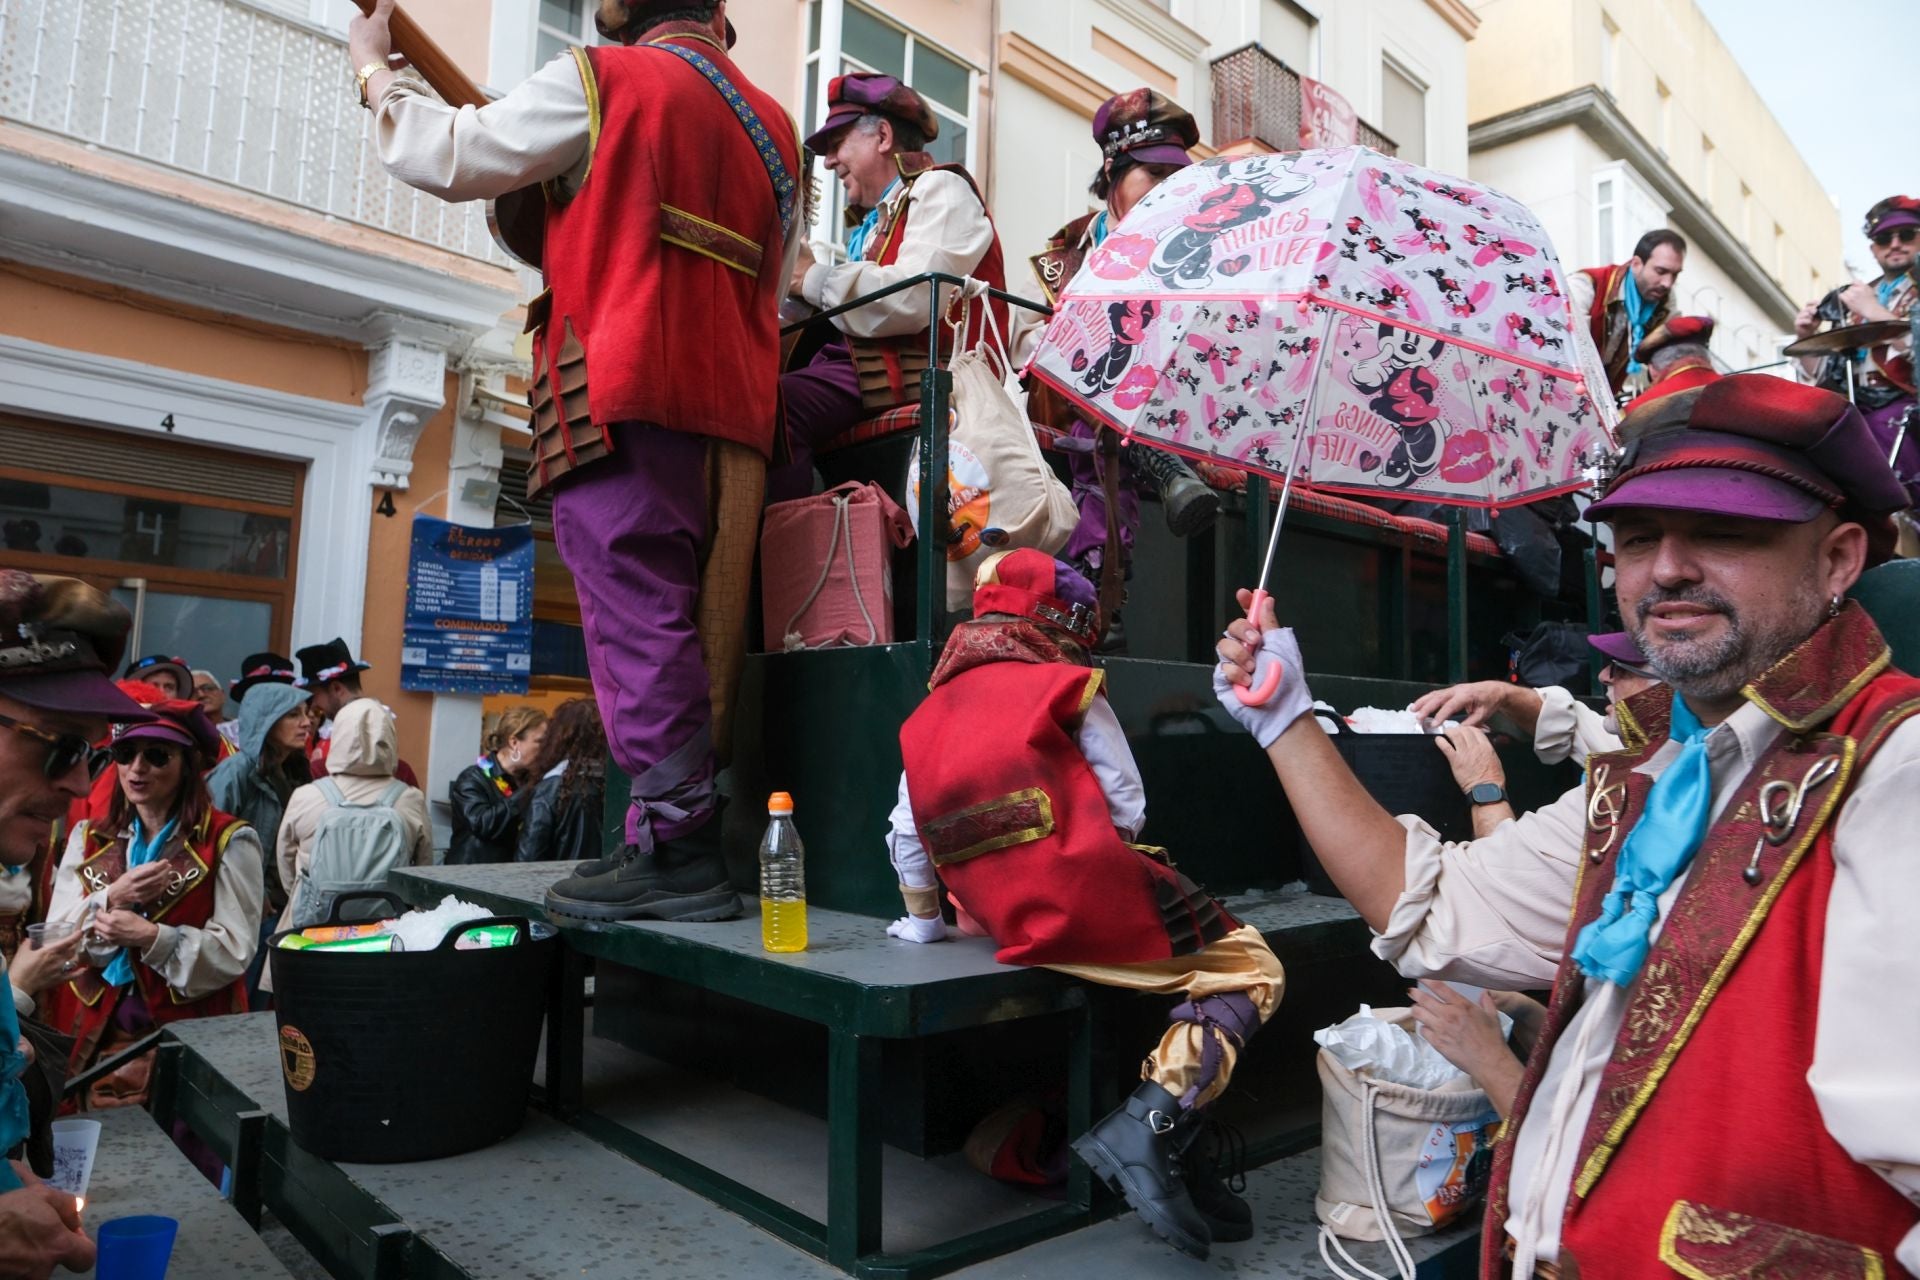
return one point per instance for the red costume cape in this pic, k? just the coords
(1706, 1153)
(1015, 820)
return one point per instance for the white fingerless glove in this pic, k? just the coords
(915, 929)
(1290, 700)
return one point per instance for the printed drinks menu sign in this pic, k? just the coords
(469, 626)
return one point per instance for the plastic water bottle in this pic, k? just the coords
(783, 879)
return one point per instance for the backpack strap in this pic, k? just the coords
(331, 790)
(393, 793)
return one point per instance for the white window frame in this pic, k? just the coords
(1637, 209)
(831, 54)
(592, 33)
(1402, 67)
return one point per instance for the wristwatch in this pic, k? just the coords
(365, 74)
(1487, 793)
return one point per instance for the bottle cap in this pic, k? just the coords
(779, 802)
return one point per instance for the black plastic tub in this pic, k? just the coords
(391, 1057)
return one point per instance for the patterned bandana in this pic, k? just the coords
(1660, 847)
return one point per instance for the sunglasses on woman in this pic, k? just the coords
(156, 757)
(64, 750)
(1905, 235)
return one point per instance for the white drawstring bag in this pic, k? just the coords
(1001, 494)
(1396, 1161)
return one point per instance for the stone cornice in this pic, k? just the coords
(1458, 16)
(1160, 24)
(1052, 75)
(1594, 110)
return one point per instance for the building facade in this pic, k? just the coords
(1610, 118)
(236, 358)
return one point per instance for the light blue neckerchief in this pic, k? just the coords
(1657, 850)
(14, 1120)
(857, 242)
(1099, 228)
(140, 851)
(1884, 291)
(1638, 313)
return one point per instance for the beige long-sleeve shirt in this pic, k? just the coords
(947, 230)
(1494, 912)
(195, 961)
(1569, 729)
(541, 131)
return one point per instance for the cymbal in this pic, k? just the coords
(1840, 341)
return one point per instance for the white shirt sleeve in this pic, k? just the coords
(1569, 729)
(537, 132)
(70, 900)
(947, 230)
(1867, 1038)
(904, 850)
(1104, 743)
(1580, 296)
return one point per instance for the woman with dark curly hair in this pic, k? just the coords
(563, 817)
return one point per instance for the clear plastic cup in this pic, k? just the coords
(137, 1248)
(39, 935)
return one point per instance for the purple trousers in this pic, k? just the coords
(1088, 543)
(817, 403)
(629, 528)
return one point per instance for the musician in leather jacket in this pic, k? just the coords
(563, 816)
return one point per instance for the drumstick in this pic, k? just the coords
(429, 59)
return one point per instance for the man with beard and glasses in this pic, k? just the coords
(1625, 303)
(1724, 1084)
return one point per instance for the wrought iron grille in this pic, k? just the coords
(1257, 96)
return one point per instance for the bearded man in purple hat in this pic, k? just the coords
(1882, 382)
(910, 215)
(1144, 139)
(673, 211)
(1718, 907)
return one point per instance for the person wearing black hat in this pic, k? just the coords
(910, 215)
(169, 675)
(1144, 139)
(1719, 906)
(331, 676)
(656, 356)
(59, 639)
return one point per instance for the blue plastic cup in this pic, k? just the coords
(135, 1248)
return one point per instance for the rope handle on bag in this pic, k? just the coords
(1377, 1189)
(791, 639)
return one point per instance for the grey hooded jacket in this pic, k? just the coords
(242, 786)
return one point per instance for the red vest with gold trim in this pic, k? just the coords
(1018, 827)
(663, 268)
(83, 1007)
(1706, 1153)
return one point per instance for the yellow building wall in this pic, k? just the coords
(1529, 51)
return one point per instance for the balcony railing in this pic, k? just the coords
(1257, 96)
(223, 90)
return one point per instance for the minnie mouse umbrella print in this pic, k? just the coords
(1412, 325)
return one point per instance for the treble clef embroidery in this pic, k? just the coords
(1605, 805)
(1780, 805)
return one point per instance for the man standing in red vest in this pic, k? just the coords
(910, 216)
(1625, 303)
(673, 213)
(1724, 1085)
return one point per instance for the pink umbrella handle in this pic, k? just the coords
(1267, 670)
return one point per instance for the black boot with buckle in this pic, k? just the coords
(684, 878)
(1190, 505)
(1136, 1151)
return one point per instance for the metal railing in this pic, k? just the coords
(222, 90)
(1255, 95)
